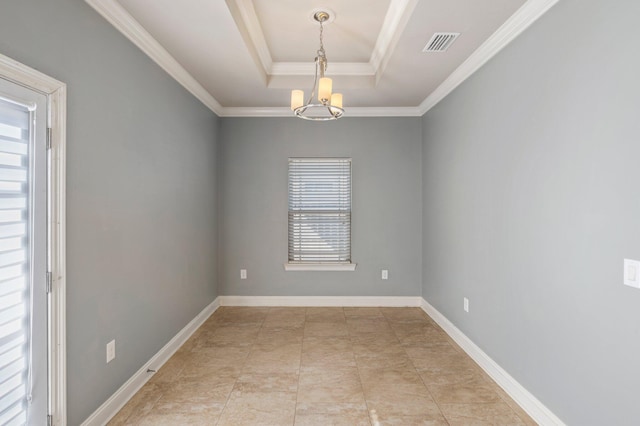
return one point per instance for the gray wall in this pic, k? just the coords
(528, 173)
(386, 206)
(140, 193)
(531, 202)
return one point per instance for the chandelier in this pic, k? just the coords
(326, 105)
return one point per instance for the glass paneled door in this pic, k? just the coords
(23, 256)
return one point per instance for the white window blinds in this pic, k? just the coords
(14, 264)
(319, 210)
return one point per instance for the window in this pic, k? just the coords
(320, 214)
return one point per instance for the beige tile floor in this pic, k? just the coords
(320, 366)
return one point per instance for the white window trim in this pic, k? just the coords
(339, 267)
(56, 92)
(301, 266)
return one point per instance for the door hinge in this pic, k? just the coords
(49, 137)
(49, 420)
(49, 282)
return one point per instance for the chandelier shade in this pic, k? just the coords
(322, 104)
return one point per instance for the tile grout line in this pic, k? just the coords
(295, 409)
(477, 371)
(355, 360)
(488, 380)
(404, 348)
(444, 416)
(366, 402)
(428, 389)
(244, 362)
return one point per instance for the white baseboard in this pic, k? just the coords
(529, 403)
(111, 407)
(538, 411)
(309, 301)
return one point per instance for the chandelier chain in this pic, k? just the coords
(322, 55)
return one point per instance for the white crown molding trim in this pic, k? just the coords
(350, 112)
(246, 19)
(256, 112)
(399, 12)
(382, 112)
(115, 14)
(310, 301)
(529, 403)
(516, 24)
(115, 403)
(357, 69)
(395, 21)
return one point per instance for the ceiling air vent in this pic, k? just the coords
(440, 42)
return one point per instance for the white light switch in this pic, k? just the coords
(111, 351)
(243, 274)
(385, 274)
(466, 304)
(632, 273)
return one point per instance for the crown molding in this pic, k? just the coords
(382, 112)
(256, 112)
(117, 16)
(308, 68)
(516, 24)
(395, 21)
(393, 26)
(246, 19)
(352, 112)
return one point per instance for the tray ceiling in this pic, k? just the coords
(242, 57)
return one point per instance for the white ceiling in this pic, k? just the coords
(243, 57)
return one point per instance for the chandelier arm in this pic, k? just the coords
(315, 84)
(334, 112)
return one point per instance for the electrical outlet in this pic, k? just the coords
(385, 274)
(466, 304)
(111, 351)
(243, 274)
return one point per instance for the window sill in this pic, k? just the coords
(339, 267)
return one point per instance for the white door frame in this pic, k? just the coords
(56, 92)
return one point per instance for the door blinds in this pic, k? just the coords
(319, 210)
(14, 263)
